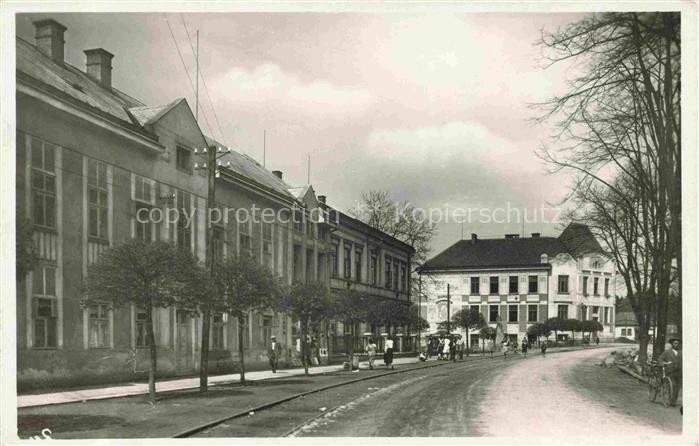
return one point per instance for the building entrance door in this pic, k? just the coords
(183, 342)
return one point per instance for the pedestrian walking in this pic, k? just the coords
(525, 346)
(440, 349)
(452, 351)
(388, 353)
(505, 347)
(597, 341)
(543, 348)
(462, 347)
(447, 348)
(274, 352)
(371, 351)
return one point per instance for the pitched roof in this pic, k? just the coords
(73, 82)
(496, 252)
(513, 252)
(150, 114)
(579, 239)
(250, 169)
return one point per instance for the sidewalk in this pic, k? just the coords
(129, 389)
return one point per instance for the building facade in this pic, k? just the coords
(522, 280)
(92, 164)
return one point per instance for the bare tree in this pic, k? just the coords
(618, 129)
(399, 220)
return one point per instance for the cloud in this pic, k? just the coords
(269, 85)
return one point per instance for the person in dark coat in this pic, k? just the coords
(388, 353)
(673, 358)
(274, 352)
(543, 348)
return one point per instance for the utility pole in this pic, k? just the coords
(448, 311)
(211, 165)
(419, 311)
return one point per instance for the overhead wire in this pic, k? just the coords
(184, 65)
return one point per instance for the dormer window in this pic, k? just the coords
(544, 258)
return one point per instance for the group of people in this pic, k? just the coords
(523, 347)
(372, 348)
(449, 347)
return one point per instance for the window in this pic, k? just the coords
(583, 312)
(403, 278)
(606, 287)
(533, 313)
(143, 189)
(595, 286)
(475, 286)
(267, 244)
(358, 265)
(513, 314)
(514, 287)
(309, 228)
(493, 313)
(217, 322)
(44, 290)
(494, 285)
(219, 242)
(347, 260)
(244, 239)
(474, 309)
(563, 284)
(533, 285)
(141, 328)
(266, 330)
(623, 332)
(298, 221)
(184, 228)
(98, 326)
(563, 311)
(97, 199)
(607, 315)
(374, 269)
(184, 159)
(43, 183)
(143, 194)
(595, 264)
(335, 258)
(584, 286)
(389, 273)
(395, 275)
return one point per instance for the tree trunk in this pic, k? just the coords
(241, 348)
(351, 346)
(467, 341)
(204, 358)
(153, 352)
(304, 345)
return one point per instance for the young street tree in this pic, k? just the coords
(556, 324)
(309, 303)
(572, 325)
(147, 275)
(619, 132)
(539, 329)
(242, 285)
(468, 320)
(351, 306)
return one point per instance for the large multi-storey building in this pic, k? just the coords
(91, 163)
(523, 280)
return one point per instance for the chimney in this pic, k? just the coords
(49, 38)
(277, 173)
(511, 235)
(322, 198)
(536, 234)
(98, 65)
(474, 237)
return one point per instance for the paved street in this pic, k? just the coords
(566, 393)
(534, 396)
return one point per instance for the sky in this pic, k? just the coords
(434, 108)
